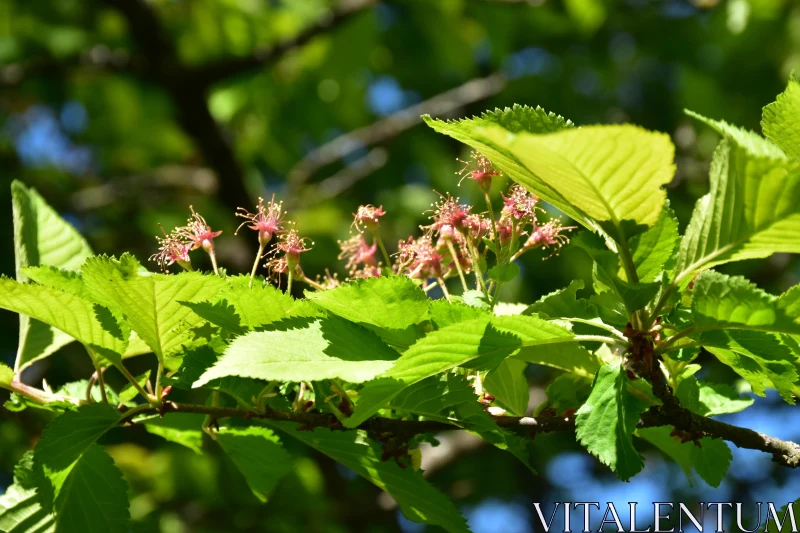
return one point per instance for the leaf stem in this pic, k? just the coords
(124, 371)
(596, 338)
(670, 341)
(444, 288)
(308, 281)
(611, 329)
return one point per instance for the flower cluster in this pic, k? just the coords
(175, 247)
(458, 242)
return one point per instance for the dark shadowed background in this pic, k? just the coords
(122, 113)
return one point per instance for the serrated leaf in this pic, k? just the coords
(259, 456)
(390, 302)
(654, 250)
(780, 120)
(594, 174)
(220, 314)
(752, 209)
(419, 501)
(181, 428)
(303, 349)
(711, 460)
(508, 384)
(732, 302)
(451, 399)
(444, 313)
(26, 505)
(68, 436)
(711, 399)
(150, 303)
(256, 306)
(483, 341)
(566, 392)
(562, 303)
(606, 422)
(758, 357)
(388, 306)
(93, 498)
(90, 323)
(41, 237)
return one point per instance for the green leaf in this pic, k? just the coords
(450, 398)
(606, 422)
(390, 302)
(68, 436)
(26, 505)
(304, 349)
(508, 384)
(504, 273)
(483, 342)
(89, 323)
(181, 428)
(654, 250)
(6, 375)
(732, 302)
(77, 390)
(41, 237)
(752, 210)
(219, 313)
(151, 302)
(256, 306)
(419, 501)
(563, 303)
(388, 306)
(758, 357)
(566, 392)
(444, 313)
(711, 460)
(780, 120)
(711, 399)
(259, 456)
(93, 497)
(594, 174)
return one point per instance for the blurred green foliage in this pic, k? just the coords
(85, 121)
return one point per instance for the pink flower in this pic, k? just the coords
(171, 250)
(356, 252)
(367, 217)
(480, 170)
(448, 212)
(549, 235)
(419, 258)
(197, 232)
(520, 203)
(266, 220)
(291, 246)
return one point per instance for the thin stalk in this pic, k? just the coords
(159, 372)
(102, 383)
(376, 234)
(494, 222)
(670, 341)
(92, 381)
(308, 281)
(454, 256)
(476, 266)
(660, 303)
(611, 329)
(289, 283)
(213, 257)
(36, 395)
(124, 371)
(596, 338)
(444, 288)
(206, 427)
(255, 263)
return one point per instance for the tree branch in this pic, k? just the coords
(786, 453)
(211, 73)
(390, 126)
